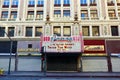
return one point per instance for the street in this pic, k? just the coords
(55, 78)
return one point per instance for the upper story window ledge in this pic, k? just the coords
(31, 5)
(83, 4)
(66, 4)
(93, 4)
(14, 6)
(57, 5)
(5, 6)
(39, 5)
(118, 4)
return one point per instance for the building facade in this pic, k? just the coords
(98, 20)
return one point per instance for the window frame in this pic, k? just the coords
(29, 32)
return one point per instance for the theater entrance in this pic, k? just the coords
(63, 62)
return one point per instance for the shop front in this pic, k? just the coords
(62, 53)
(28, 56)
(5, 47)
(113, 49)
(94, 58)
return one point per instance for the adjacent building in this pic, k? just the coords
(25, 21)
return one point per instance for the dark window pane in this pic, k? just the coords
(28, 31)
(11, 31)
(114, 30)
(2, 31)
(29, 45)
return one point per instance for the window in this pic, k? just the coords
(92, 1)
(66, 31)
(39, 15)
(31, 3)
(95, 30)
(29, 45)
(4, 14)
(118, 2)
(83, 2)
(40, 3)
(66, 3)
(57, 2)
(114, 30)
(15, 3)
(57, 30)
(38, 31)
(28, 31)
(6, 3)
(30, 15)
(84, 14)
(85, 30)
(110, 2)
(66, 13)
(2, 31)
(111, 13)
(11, 31)
(13, 15)
(57, 13)
(93, 14)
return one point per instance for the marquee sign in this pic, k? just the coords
(63, 44)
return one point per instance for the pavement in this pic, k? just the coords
(62, 74)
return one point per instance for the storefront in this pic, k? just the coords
(94, 57)
(113, 49)
(5, 47)
(28, 56)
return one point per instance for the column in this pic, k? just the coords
(90, 30)
(33, 31)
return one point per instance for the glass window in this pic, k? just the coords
(31, 2)
(112, 13)
(83, 1)
(95, 30)
(13, 15)
(2, 31)
(93, 14)
(84, 14)
(118, 1)
(15, 2)
(57, 30)
(66, 31)
(92, 1)
(38, 31)
(6, 2)
(29, 45)
(114, 30)
(28, 31)
(57, 13)
(4, 14)
(40, 2)
(39, 15)
(85, 30)
(11, 31)
(67, 2)
(30, 15)
(57, 2)
(66, 13)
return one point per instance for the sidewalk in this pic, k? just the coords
(63, 74)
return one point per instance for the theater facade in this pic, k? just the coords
(75, 35)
